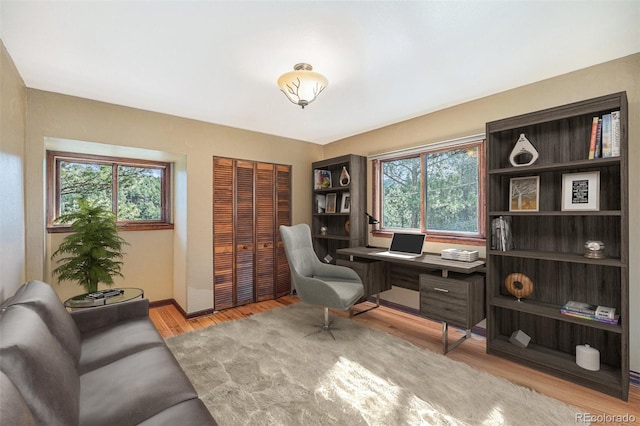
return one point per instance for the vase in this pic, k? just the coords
(345, 179)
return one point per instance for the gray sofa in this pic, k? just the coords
(98, 366)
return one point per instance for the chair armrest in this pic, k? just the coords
(93, 318)
(336, 272)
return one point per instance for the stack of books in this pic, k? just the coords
(605, 136)
(591, 312)
(457, 254)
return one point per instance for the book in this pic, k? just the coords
(598, 153)
(592, 142)
(591, 312)
(615, 133)
(613, 321)
(457, 254)
(605, 312)
(582, 307)
(606, 135)
(321, 179)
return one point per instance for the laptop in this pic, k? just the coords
(405, 246)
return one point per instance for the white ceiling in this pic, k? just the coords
(386, 61)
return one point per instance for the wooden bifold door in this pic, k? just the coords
(250, 201)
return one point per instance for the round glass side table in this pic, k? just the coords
(83, 301)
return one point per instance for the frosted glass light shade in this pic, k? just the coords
(302, 85)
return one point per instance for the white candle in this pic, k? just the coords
(588, 357)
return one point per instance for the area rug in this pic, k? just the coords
(262, 370)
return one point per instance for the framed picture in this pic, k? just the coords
(524, 194)
(345, 205)
(581, 191)
(321, 201)
(321, 179)
(330, 206)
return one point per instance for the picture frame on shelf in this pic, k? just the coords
(330, 206)
(321, 201)
(345, 203)
(524, 194)
(581, 191)
(321, 179)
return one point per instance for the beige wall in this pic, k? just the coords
(12, 131)
(166, 264)
(470, 118)
(178, 263)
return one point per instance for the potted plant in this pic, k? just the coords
(92, 253)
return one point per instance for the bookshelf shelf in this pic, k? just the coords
(607, 379)
(549, 311)
(557, 257)
(578, 165)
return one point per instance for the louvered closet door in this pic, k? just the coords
(265, 231)
(223, 200)
(244, 232)
(283, 217)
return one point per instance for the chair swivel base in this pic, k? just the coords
(322, 328)
(325, 327)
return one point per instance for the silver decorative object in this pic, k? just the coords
(594, 249)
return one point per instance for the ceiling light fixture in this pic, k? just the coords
(302, 85)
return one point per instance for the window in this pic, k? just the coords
(137, 191)
(437, 191)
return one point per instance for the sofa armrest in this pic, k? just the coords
(93, 318)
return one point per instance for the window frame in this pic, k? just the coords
(478, 238)
(54, 158)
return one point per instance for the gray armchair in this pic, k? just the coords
(317, 283)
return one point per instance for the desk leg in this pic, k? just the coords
(445, 338)
(371, 308)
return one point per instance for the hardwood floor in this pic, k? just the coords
(426, 334)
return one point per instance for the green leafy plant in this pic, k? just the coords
(92, 253)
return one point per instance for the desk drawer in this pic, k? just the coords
(444, 299)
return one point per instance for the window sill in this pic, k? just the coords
(57, 229)
(451, 239)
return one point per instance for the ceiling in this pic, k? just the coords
(386, 61)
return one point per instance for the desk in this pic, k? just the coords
(426, 261)
(451, 291)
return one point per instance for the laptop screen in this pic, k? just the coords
(407, 243)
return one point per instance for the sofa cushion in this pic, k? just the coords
(42, 299)
(192, 412)
(13, 407)
(108, 344)
(133, 389)
(43, 372)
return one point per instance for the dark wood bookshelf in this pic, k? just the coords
(548, 246)
(343, 229)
